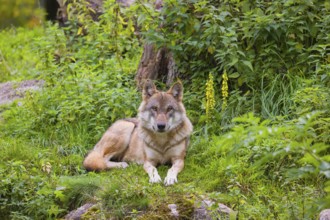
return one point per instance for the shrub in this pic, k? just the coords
(265, 47)
(259, 152)
(26, 192)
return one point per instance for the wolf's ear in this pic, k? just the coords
(149, 89)
(177, 91)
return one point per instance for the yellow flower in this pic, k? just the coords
(210, 100)
(224, 90)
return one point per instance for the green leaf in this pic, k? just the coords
(234, 75)
(248, 64)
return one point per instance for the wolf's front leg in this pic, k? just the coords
(150, 168)
(172, 173)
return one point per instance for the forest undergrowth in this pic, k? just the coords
(256, 87)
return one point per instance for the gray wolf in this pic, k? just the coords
(159, 135)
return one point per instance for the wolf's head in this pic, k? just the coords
(161, 111)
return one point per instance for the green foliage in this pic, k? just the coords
(20, 12)
(18, 55)
(258, 163)
(266, 47)
(29, 176)
(275, 55)
(85, 88)
(26, 189)
(88, 84)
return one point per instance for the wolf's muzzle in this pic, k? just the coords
(161, 127)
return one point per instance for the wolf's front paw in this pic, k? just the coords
(155, 179)
(170, 180)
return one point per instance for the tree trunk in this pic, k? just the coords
(156, 65)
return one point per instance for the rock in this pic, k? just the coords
(76, 214)
(11, 91)
(325, 214)
(204, 211)
(201, 212)
(224, 209)
(174, 210)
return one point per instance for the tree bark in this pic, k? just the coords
(156, 65)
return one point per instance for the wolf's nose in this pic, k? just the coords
(161, 127)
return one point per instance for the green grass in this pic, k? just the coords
(18, 55)
(214, 168)
(263, 169)
(127, 193)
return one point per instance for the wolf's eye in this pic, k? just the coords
(154, 108)
(169, 108)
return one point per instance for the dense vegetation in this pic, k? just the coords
(256, 78)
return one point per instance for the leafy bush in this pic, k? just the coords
(260, 152)
(266, 48)
(26, 192)
(85, 89)
(29, 177)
